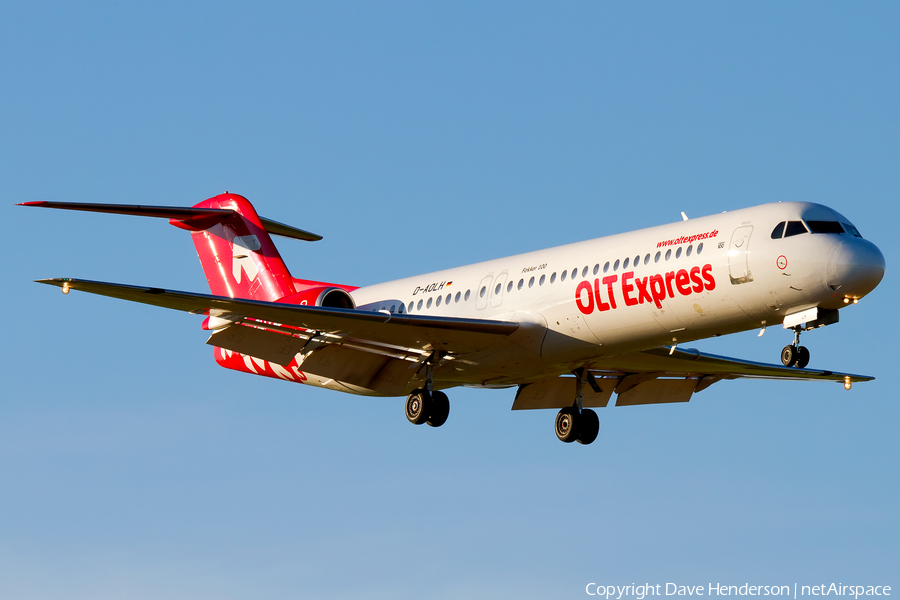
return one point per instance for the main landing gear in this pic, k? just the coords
(423, 406)
(573, 425)
(795, 355)
(426, 405)
(576, 423)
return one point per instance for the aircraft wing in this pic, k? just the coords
(692, 362)
(401, 336)
(661, 376)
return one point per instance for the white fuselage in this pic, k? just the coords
(668, 284)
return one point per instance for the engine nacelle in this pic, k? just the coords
(323, 295)
(326, 295)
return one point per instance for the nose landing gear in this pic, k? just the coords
(795, 355)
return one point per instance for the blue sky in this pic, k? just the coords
(416, 137)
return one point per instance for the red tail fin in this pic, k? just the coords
(236, 252)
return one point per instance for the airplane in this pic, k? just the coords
(567, 326)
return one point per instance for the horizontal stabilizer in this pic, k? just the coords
(177, 213)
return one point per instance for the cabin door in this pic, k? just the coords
(739, 255)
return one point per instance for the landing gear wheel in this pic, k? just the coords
(418, 405)
(588, 426)
(802, 357)
(789, 356)
(567, 425)
(440, 409)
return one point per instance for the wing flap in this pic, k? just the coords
(658, 391)
(559, 392)
(267, 345)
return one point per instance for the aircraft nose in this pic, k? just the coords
(856, 268)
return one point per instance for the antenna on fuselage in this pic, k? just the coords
(683, 216)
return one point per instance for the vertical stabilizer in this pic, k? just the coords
(236, 252)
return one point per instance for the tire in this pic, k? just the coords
(589, 427)
(802, 357)
(440, 409)
(417, 406)
(788, 356)
(567, 425)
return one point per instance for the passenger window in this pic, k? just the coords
(616, 265)
(553, 278)
(457, 297)
(668, 254)
(439, 299)
(825, 227)
(625, 264)
(596, 269)
(483, 290)
(419, 305)
(778, 232)
(509, 287)
(531, 281)
(647, 260)
(699, 247)
(410, 308)
(429, 303)
(543, 279)
(497, 289)
(689, 250)
(467, 295)
(563, 276)
(637, 260)
(583, 273)
(521, 283)
(606, 267)
(794, 228)
(656, 258)
(678, 253)
(447, 301)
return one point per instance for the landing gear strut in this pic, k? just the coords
(426, 405)
(795, 355)
(576, 423)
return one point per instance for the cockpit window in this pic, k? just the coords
(794, 228)
(778, 231)
(851, 230)
(825, 227)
